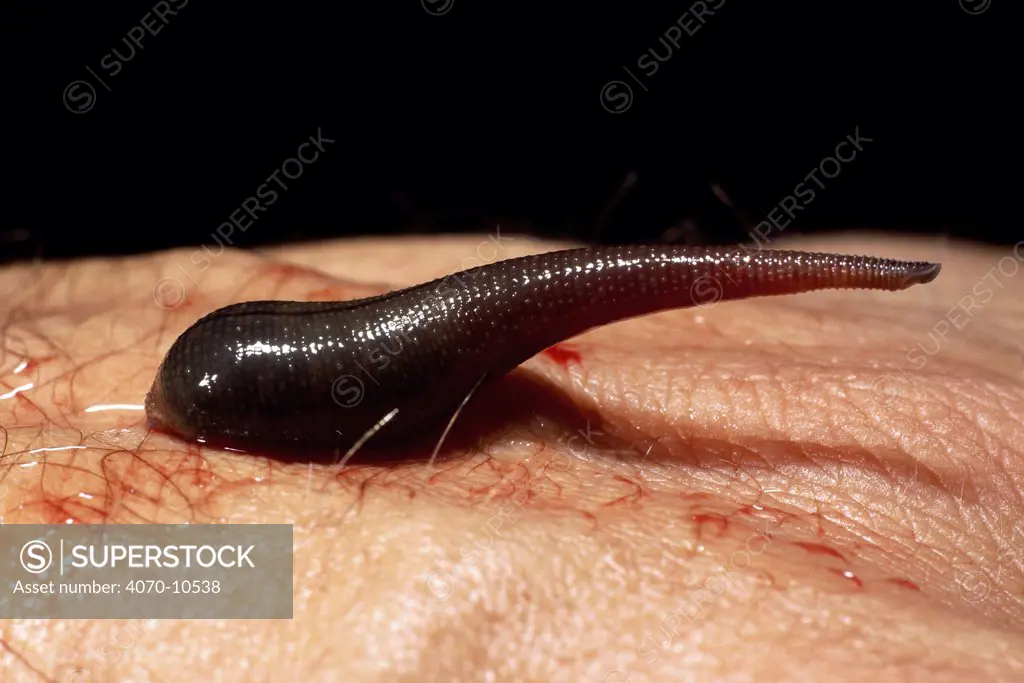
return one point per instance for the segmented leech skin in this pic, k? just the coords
(321, 374)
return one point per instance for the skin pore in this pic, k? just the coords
(818, 487)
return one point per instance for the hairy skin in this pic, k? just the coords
(820, 487)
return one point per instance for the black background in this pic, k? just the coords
(455, 117)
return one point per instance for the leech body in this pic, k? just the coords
(321, 374)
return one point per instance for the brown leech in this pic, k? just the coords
(332, 374)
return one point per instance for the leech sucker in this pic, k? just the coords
(325, 374)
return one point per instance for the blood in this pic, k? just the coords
(564, 355)
(158, 429)
(23, 369)
(325, 294)
(710, 518)
(287, 270)
(905, 583)
(633, 496)
(818, 549)
(30, 365)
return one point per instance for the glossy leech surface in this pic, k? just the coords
(287, 374)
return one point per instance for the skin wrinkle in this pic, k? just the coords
(733, 471)
(947, 475)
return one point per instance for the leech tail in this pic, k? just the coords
(763, 273)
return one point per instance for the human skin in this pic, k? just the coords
(814, 487)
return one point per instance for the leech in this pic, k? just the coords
(319, 375)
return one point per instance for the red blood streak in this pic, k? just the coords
(324, 294)
(905, 583)
(31, 364)
(563, 355)
(287, 270)
(157, 429)
(718, 520)
(818, 549)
